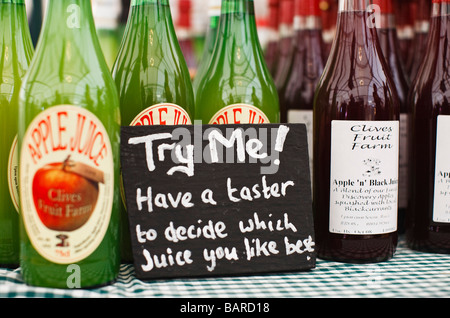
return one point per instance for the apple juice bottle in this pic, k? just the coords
(356, 145)
(152, 78)
(16, 50)
(428, 221)
(238, 87)
(210, 40)
(69, 130)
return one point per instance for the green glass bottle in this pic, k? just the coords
(16, 51)
(150, 71)
(210, 41)
(69, 131)
(238, 87)
(106, 17)
(152, 77)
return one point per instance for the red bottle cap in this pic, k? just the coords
(440, 1)
(385, 6)
(274, 13)
(184, 13)
(287, 11)
(307, 8)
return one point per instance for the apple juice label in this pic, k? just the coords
(162, 114)
(66, 183)
(239, 114)
(13, 174)
(364, 177)
(441, 205)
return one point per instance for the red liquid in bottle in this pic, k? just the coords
(355, 86)
(285, 45)
(421, 28)
(428, 228)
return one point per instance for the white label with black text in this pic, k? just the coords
(364, 177)
(441, 205)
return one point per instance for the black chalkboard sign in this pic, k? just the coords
(218, 200)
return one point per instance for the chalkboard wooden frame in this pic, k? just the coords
(200, 218)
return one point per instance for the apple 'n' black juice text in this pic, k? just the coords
(428, 221)
(68, 141)
(356, 145)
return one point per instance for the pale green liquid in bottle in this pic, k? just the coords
(150, 70)
(68, 68)
(16, 50)
(238, 73)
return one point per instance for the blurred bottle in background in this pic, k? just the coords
(421, 27)
(184, 35)
(404, 17)
(271, 51)
(211, 35)
(329, 18)
(298, 99)
(106, 17)
(285, 46)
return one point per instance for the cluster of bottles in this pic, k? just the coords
(62, 107)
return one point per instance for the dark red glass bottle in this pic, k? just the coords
(307, 67)
(404, 19)
(428, 222)
(421, 28)
(356, 133)
(285, 47)
(271, 53)
(329, 16)
(387, 35)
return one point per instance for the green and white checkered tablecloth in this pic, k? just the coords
(408, 274)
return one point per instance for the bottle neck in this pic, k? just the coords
(353, 5)
(307, 15)
(274, 15)
(69, 17)
(386, 14)
(237, 23)
(141, 2)
(440, 8)
(355, 28)
(286, 18)
(15, 40)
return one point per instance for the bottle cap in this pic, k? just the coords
(307, 8)
(184, 13)
(286, 11)
(385, 6)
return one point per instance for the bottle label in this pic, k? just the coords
(239, 114)
(304, 116)
(441, 205)
(364, 177)
(13, 174)
(66, 183)
(162, 114)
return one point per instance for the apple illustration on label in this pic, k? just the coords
(65, 194)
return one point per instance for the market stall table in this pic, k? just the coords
(408, 274)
